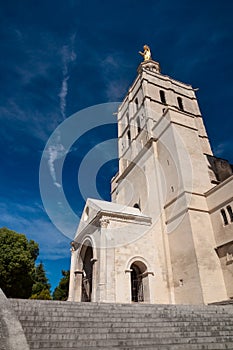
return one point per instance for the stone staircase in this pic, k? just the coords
(68, 326)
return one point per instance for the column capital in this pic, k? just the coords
(74, 246)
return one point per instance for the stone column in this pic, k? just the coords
(103, 263)
(128, 296)
(74, 255)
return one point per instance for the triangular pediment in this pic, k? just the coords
(95, 209)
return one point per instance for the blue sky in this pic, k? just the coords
(59, 57)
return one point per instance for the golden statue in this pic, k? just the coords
(146, 54)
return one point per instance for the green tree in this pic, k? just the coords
(41, 286)
(62, 290)
(17, 263)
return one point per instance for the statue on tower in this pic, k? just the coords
(146, 53)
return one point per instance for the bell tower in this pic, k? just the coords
(154, 242)
(163, 170)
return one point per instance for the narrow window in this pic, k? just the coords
(180, 103)
(162, 96)
(129, 135)
(224, 217)
(136, 103)
(138, 125)
(230, 212)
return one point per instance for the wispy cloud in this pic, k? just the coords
(114, 89)
(114, 85)
(55, 152)
(68, 56)
(223, 148)
(63, 94)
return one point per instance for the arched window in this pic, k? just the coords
(229, 209)
(136, 205)
(180, 103)
(162, 96)
(224, 216)
(138, 125)
(136, 103)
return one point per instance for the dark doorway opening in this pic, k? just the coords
(87, 274)
(137, 293)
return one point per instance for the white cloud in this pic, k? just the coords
(222, 148)
(62, 95)
(68, 56)
(110, 61)
(114, 87)
(55, 152)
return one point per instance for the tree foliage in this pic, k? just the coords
(62, 290)
(17, 263)
(41, 286)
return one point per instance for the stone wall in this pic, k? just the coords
(11, 332)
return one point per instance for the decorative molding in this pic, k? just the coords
(145, 274)
(78, 272)
(104, 222)
(74, 246)
(217, 187)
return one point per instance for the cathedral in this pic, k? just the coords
(166, 237)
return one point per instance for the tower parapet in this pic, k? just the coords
(150, 65)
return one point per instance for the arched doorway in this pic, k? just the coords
(87, 274)
(139, 283)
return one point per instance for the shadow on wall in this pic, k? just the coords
(11, 332)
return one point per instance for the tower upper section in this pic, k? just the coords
(151, 97)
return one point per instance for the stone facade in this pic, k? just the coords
(166, 237)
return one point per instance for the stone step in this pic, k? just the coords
(118, 326)
(141, 310)
(214, 346)
(101, 343)
(64, 325)
(78, 313)
(102, 306)
(126, 335)
(132, 321)
(120, 317)
(161, 347)
(215, 330)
